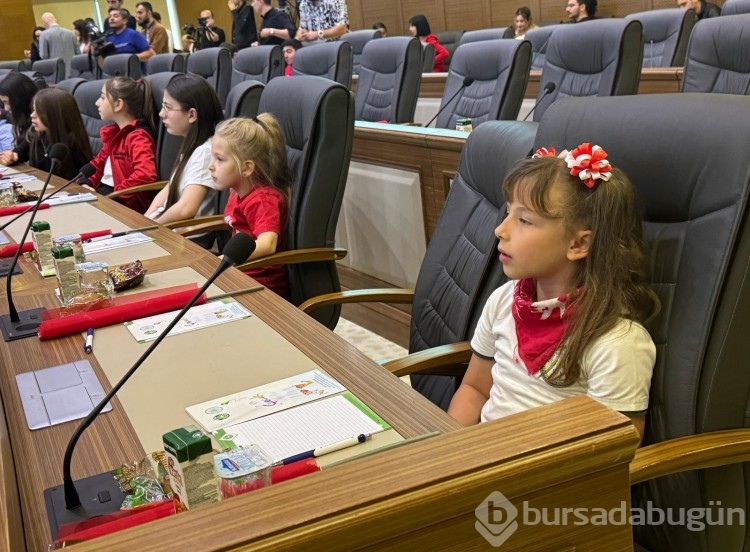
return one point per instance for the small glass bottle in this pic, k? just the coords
(67, 275)
(463, 125)
(74, 241)
(41, 235)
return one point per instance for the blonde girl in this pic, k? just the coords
(248, 157)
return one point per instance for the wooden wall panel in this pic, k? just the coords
(433, 10)
(16, 26)
(465, 15)
(385, 11)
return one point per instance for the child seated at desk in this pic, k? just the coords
(191, 110)
(248, 157)
(56, 119)
(571, 320)
(127, 157)
(17, 93)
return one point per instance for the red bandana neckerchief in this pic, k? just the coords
(540, 325)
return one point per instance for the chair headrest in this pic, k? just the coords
(385, 55)
(714, 42)
(659, 25)
(587, 52)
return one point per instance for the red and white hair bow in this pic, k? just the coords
(589, 163)
(544, 152)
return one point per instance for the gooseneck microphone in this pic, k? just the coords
(548, 89)
(15, 325)
(100, 492)
(467, 82)
(87, 170)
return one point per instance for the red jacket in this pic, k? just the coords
(441, 54)
(133, 162)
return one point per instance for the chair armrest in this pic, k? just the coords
(446, 360)
(142, 188)
(201, 228)
(193, 221)
(392, 295)
(705, 450)
(296, 256)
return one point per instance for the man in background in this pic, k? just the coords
(117, 5)
(322, 20)
(126, 40)
(170, 42)
(244, 32)
(703, 9)
(154, 32)
(578, 12)
(57, 42)
(209, 35)
(276, 26)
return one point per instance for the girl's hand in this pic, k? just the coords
(8, 157)
(88, 187)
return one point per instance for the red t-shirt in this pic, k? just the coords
(262, 210)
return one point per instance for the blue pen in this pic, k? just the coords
(315, 453)
(88, 346)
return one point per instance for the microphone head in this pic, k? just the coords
(549, 87)
(87, 170)
(238, 249)
(58, 152)
(468, 81)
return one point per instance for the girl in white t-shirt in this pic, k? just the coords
(570, 321)
(190, 109)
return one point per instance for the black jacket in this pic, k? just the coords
(244, 31)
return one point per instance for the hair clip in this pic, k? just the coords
(544, 152)
(589, 163)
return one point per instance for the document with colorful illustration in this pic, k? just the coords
(266, 399)
(202, 316)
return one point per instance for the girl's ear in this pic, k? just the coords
(248, 168)
(579, 245)
(117, 105)
(192, 115)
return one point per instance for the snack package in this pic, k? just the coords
(127, 276)
(23, 195)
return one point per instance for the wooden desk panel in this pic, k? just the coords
(435, 158)
(653, 81)
(423, 496)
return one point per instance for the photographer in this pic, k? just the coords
(123, 40)
(206, 35)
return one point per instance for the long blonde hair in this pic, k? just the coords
(611, 280)
(261, 141)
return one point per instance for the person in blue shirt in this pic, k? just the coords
(6, 135)
(125, 39)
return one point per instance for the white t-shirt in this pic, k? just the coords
(196, 172)
(615, 370)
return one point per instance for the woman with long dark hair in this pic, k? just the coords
(16, 93)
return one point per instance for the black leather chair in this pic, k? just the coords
(500, 69)
(449, 40)
(428, 57)
(71, 84)
(37, 77)
(389, 79)
(53, 69)
(718, 58)
(358, 40)
(260, 63)
(460, 268)
(539, 39)
(695, 210)
(84, 66)
(317, 117)
(603, 61)
(494, 33)
(166, 63)
(86, 95)
(665, 35)
(121, 65)
(332, 60)
(214, 65)
(735, 7)
(243, 99)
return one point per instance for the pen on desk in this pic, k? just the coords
(89, 344)
(123, 233)
(315, 453)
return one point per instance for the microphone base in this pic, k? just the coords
(26, 326)
(5, 268)
(99, 496)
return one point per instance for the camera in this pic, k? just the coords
(99, 44)
(202, 21)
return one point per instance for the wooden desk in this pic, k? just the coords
(653, 81)
(111, 440)
(434, 155)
